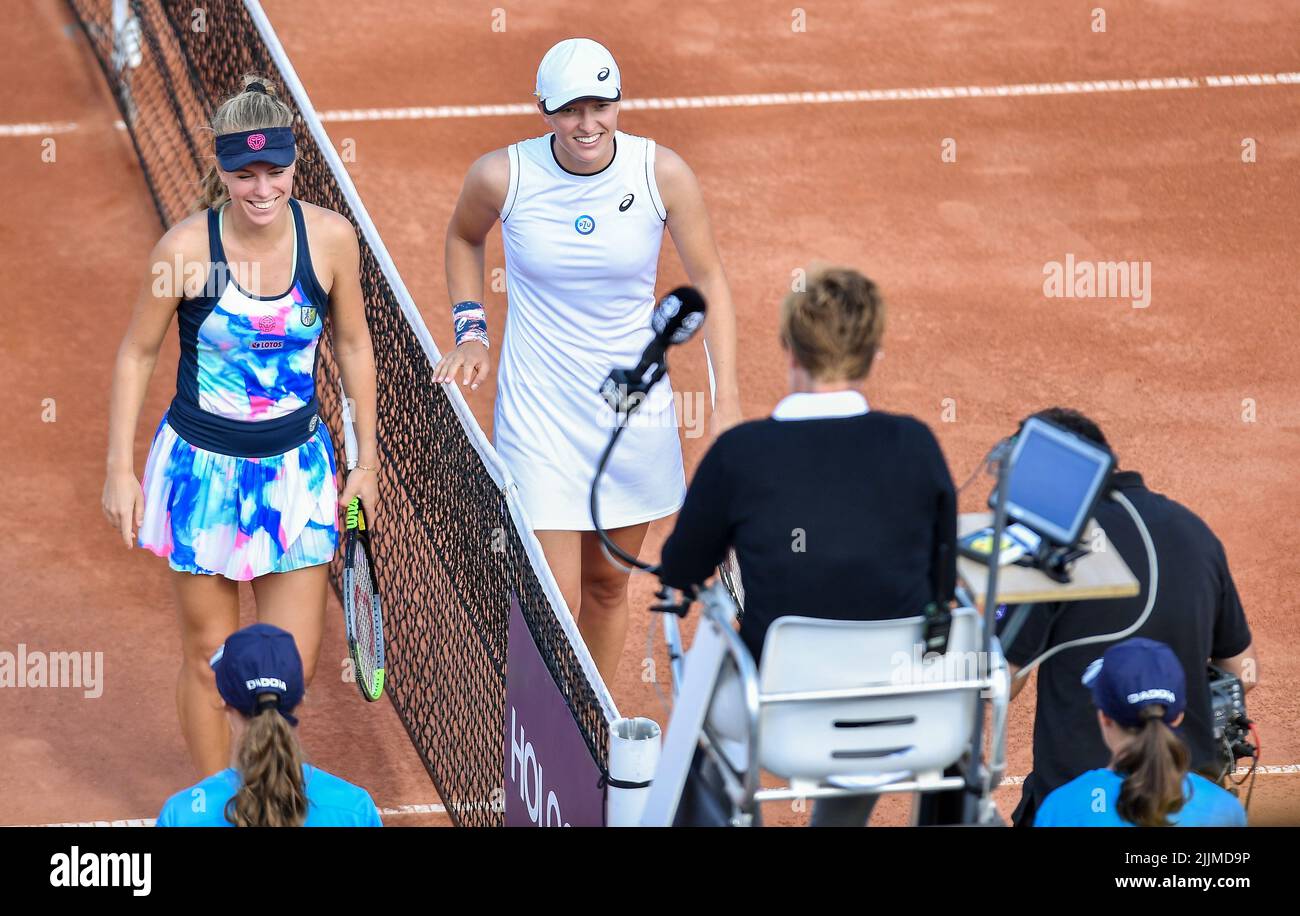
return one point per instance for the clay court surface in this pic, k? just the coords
(1198, 391)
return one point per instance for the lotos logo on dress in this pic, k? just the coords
(627, 202)
(256, 141)
(585, 225)
(307, 315)
(603, 74)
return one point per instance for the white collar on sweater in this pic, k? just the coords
(821, 405)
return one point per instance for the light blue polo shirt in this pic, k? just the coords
(1089, 801)
(331, 802)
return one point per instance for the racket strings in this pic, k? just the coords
(362, 612)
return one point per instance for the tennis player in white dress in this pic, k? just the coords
(583, 210)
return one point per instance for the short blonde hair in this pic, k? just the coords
(834, 326)
(247, 109)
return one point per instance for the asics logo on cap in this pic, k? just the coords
(603, 74)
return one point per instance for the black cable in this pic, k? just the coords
(605, 539)
(979, 469)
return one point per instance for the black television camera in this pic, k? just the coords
(1230, 724)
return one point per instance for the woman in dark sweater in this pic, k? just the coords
(834, 511)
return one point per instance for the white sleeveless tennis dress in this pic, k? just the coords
(581, 257)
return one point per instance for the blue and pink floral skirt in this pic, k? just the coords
(240, 518)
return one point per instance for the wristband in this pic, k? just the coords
(470, 322)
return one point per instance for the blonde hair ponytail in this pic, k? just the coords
(271, 791)
(247, 109)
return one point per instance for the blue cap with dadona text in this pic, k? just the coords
(259, 661)
(1133, 675)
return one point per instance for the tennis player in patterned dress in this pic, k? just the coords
(240, 483)
(582, 211)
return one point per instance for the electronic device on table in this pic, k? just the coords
(1055, 480)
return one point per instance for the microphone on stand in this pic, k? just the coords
(676, 318)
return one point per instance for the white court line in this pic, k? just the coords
(1280, 769)
(36, 130)
(401, 810)
(413, 809)
(836, 96)
(775, 98)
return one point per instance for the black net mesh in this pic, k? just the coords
(447, 552)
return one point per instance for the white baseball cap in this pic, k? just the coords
(577, 68)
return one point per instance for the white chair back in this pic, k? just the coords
(914, 731)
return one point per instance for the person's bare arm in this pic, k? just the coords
(354, 352)
(481, 198)
(688, 222)
(161, 290)
(1244, 666)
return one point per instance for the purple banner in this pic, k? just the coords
(551, 780)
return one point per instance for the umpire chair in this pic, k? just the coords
(837, 708)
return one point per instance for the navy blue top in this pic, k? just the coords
(246, 384)
(845, 518)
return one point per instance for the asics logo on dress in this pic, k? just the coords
(585, 225)
(627, 202)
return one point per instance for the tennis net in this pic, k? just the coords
(451, 544)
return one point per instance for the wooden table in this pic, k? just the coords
(1100, 574)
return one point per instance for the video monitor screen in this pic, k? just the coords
(1054, 480)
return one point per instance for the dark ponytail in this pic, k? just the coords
(269, 762)
(1154, 765)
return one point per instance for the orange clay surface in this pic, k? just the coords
(1197, 391)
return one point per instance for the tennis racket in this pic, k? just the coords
(729, 572)
(362, 610)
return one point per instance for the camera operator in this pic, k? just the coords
(1197, 613)
(834, 511)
